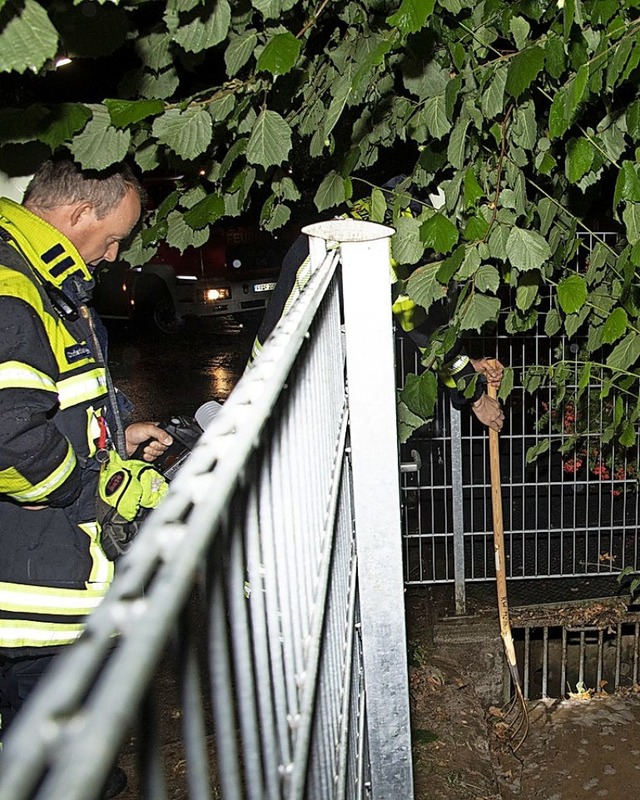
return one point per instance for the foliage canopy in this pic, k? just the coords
(526, 113)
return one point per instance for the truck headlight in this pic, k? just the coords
(212, 295)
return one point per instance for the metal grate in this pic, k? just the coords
(580, 650)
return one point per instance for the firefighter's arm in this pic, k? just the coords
(37, 462)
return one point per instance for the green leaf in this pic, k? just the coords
(206, 30)
(439, 233)
(527, 249)
(470, 263)
(239, 51)
(331, 192)
(128, 112)
(572, 293)
(487, 279)
(406, 245)
(336, 107)
(492, 101)
(63, 122)
(631, 219)
(615, 325)
(408, 422)
(472, 189)
(155, 51)
(520, 29)
(616, 64)
(188, 133)
(576, 89)
(162, 85)
(270, 141)
(220, 107)
(205, 212)
(633, 120)
(627, 184)
(435, 110)
(524, 69)
(625, 354)
(420, 392)
(628, 439)
(423, 286)
(100, 145)
(527, 290)
(476, 228)
(280, 54)
(579, 159)
(506, 384)
(537, 450)
(181, 235)
(457, 140)
(478, 310)
(27, 37)
(412, 15)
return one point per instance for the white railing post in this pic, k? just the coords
(370, 362)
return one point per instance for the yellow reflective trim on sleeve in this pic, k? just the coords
(102, 568)
(27, 633)
(17, 375)
(80, 388)
(18, 597)
(15, 484)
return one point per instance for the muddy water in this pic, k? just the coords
(577, 749)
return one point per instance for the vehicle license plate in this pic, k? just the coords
(264, 287)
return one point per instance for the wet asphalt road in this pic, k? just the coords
(167, 375)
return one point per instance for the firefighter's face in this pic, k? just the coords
(98, 239)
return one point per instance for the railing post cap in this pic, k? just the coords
(348, 230)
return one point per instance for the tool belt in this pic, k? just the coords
(127, 490)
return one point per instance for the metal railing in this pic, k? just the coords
(268, 584)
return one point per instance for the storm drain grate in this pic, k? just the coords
(576, 649)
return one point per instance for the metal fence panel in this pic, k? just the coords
(565, 514)
(246, 589)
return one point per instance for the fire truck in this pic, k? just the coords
(233, 274)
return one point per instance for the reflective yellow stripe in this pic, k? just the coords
(102, 569)
(79, 388)
(303, 276)
(16, 375)
(26, 633)
(18, 597)
(13, 483)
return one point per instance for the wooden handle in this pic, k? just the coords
(498, 526)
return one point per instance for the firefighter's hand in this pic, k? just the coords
(491, 368)
(154, 438)
(489, 411)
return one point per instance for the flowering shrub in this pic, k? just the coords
(583, 425)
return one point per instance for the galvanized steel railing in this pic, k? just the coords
(268, 585)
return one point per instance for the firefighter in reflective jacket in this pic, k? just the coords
(456, 369)
(55, 410)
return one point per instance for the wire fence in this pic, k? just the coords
(254, 590)
(566, 514)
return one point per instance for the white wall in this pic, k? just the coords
(13, 187)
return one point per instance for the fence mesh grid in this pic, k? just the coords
(566, 514)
